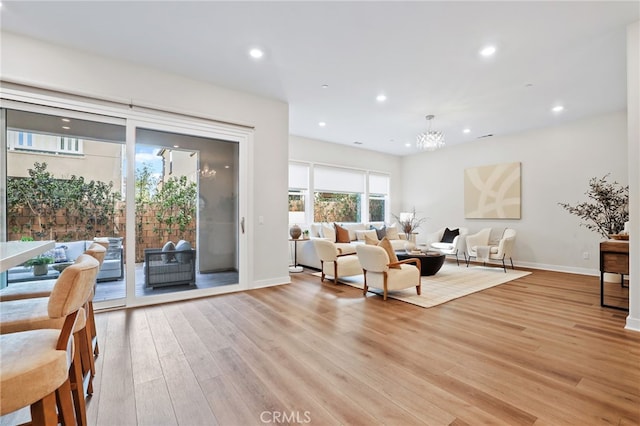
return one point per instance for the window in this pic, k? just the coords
(337, 207)
(298, 190)
(320, 193)
(53, 144)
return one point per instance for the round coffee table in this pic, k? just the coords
(430, 262)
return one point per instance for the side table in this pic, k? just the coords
(614, 257)
(296, 267)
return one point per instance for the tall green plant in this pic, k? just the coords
(146, 184)
(175, 203)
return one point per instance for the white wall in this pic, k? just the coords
(557, 164)
(313, 150)
(42, 64)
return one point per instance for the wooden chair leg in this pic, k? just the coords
(366, 287)
(86, 355)
(321, 271)
(419, 289)
(385, 287)
(77, 388)
(335, 272)
(43, 412)
(91, 325)
(63, 395)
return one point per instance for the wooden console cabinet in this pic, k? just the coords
(614, 257)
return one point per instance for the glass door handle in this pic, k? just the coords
(242, 224)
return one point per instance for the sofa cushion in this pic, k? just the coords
(392, 232)
(353, 228)
(360, 235)
(386, 244)
(59, 253)
(371, 241)
(449, 234)
(342, 234)
(380, 232)
(183, 246)
(442, 246)
(315, 230)
(168, 247)
(329, 232)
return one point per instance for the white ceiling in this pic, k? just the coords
(422, 55)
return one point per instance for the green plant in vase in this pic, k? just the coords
(39, 264)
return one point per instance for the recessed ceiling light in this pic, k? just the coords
(408, 145)
(226, 167)
(322, 124)
(466, 131)
(488, 51)
(381, 98)
(325, 86)
(557, 108)
(66, 127)
(256, 53)
(176, 146)
(66, 120)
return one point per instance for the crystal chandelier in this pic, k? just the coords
(431, 139)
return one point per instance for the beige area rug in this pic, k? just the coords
(451, 282)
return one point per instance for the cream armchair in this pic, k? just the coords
(455, 247)
(333, 262)
(379, 273)
(489, 244)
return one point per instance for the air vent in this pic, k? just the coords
(357, 143)
(488, 135)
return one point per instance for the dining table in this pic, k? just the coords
(14, 253)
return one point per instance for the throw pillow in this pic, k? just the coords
(183, 246)
(392, 232)
(59, 254)
(371, 241)
(386, 244)
(168, 247)
(380, 233)
(328, 232)
(342, 234)
(449, 234)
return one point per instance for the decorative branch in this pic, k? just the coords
(608, 209)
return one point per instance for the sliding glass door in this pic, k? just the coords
(164, 194)
(186, 212)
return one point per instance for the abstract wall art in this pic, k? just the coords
(492, 192)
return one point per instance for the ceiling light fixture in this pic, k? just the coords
(381, 98)
(66, 127)
(488, 51)
(557, 108)
(466, 131)
(431, 139)
(207, 172)
(256, 53)
(325, 86)
(66, 120)
(322, 124)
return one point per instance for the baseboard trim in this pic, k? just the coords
(632, 324)
(558, 268)
(271, 282)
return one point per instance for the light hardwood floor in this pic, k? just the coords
(538, 350)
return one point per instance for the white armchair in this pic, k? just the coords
(495, 247)
(379, 273)
(333, 262)
(455, 247)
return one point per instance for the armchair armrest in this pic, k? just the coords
(410, 260)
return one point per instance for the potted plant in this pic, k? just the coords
(305, 234)
(39, 265)
(607, 209)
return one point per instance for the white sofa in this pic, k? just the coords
(306, 253)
